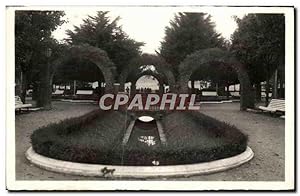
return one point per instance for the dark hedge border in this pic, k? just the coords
(45, 142)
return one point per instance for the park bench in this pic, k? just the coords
(208, 96)
(209, 93)
(58, 93)
(235, 94)
(275, 105)
(85, 94)
(264, 94)
(19, 104)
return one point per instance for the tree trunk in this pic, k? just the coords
(267, 92)
(227, 93)
(133, 89)
(221, 89)
(122, 87)
(247, 97)
(75, 87)
(161, 89)
(282, 84)
(193, 85)
(267, 88)
(258, 91)
(275, 85)
(35, 91)
(281, 89)
(45, 92)
(23, 87)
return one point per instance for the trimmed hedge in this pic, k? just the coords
(96, 138)
(79, 139)
(192, 137)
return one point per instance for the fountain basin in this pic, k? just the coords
(138, 171)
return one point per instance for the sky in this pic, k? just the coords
(147, 82)
(148, 25)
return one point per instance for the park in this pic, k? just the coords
(96, 106)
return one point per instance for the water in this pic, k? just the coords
(146, 118)
(149, 140)
(144, 136)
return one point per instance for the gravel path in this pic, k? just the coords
(27, 123)
(266, 138)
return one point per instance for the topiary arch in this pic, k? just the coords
(148, 59)
(156, 75)
(96, 56)
(202, 57)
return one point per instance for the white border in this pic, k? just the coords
(12, 184)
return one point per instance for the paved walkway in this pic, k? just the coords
(266, 138)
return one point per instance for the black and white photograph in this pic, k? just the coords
(155, 98)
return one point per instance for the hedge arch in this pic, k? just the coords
(148, 59)
(157, 76)
(202, 57)
(96, 56)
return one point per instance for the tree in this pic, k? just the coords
(259, 43)
(32, 36)
(187, 33)
(102, 32)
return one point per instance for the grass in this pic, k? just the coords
(89, 138)
(195, 137)
(96, 138)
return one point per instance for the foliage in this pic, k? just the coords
(259, 43)
(216, 72)
(33, 35)
(84, 63)
(211, 64)
(96, 138)
(81, 138)
(141, 65)
(187, 33)
(102, 32)
(78, 70)
(205, 60)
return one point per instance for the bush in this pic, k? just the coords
(96, 138)
(77, 139)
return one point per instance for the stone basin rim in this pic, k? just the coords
(85, 169)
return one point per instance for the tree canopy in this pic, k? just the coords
(259, 43)
(103, 32)
(187, 33)
(32, 36)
